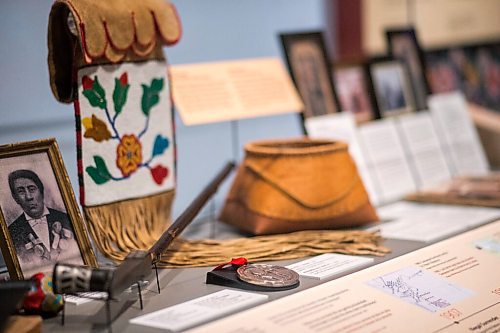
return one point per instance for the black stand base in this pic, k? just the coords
(227, 277)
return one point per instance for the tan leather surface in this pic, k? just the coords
(307, 178)
(297, 181)
(114, 27)
(258, 224)
(108, 31)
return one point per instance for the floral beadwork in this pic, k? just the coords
(129, 150)
(128, 154)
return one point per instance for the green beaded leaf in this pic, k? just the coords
(96, 96)
(157, 85)
(100, 173)
(150, 95)
(120, 95)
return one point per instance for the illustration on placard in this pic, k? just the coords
(489, 244)
(421, 288)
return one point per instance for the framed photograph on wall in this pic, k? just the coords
(403, 45)
(353, 90)
(488, 66)
(473, 69)
(441, 73)
(309, 67)
(40, 223)
(391, 87)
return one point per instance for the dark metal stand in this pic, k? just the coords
(140, 294)
(157, 279)
(63, 314)
(108, 314)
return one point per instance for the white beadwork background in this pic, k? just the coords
(130, 121)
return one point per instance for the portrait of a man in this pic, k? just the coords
(392, 88)
(39, 217)
(310, 70)
(40, 223)
(352, 90)
(40, 232)
(403, 45)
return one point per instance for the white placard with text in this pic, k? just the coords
(386, 159)
(232, 90)
(423, 148)
(197, 311)
(328, 264)
(458, 134)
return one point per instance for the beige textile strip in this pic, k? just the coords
(116, 239)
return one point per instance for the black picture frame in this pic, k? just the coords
(440, 72)
(471, 68)
(310, 69)
(353, 89)
(390, 84)
(404, 45)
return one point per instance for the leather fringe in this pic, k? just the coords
(115, 236)
(122, 227)
(195, 253)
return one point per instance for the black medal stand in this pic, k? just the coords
(228, 277)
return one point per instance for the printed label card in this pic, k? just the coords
(458, 134)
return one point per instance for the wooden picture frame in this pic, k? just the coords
(352, 86)
(40, 222)
(309, 68)
(391, 87)
(404, 45)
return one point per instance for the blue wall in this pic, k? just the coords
(212, 30)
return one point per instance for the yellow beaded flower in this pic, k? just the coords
(128, 154)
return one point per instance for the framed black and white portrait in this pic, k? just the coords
(391, 87)
(40, 223)
(403, 45)
(309, 68)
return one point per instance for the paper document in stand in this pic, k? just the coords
(461, 141)
(386, 159)
(422, 143)
(232, 90)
